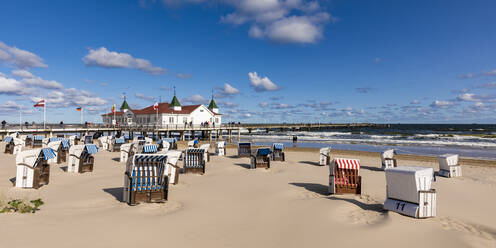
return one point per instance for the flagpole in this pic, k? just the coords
(44, 114)
(20, 119)
(82, 115)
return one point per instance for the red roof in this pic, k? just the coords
(163, 108)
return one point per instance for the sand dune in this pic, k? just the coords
(233, 206)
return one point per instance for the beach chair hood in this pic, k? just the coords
(404, 182)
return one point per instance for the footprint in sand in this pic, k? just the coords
(364, 210)
(448, 223)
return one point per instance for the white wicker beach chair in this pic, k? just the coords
(220, 148)
(172, 169)
(206, 156)
(104, 142)
(145, 179)
(388, 160)
(81, 159)
(127, 151)
(448, 165)
(325, 156)
(344, 176)
(56, 146)
(33, 170)
(409, 191)
(73, 140)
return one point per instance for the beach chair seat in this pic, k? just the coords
(409, 191)
(325, 156)
(33, 170)
(193, 143)
(278, 152)
(148, 148)
(388, 160)
(194, 161)
(127, 151)
(260, 158)
(81, 159)
(344, 176)
(220, 148)
(37, 141)
(206, 156)
(448, 165)
(244, 149)
(172, 169)
(145, 179)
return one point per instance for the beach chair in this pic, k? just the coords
(206, 156)
(193, 143)
(220, 148)
(344, 177)
(388, 160)
(116, 144)
(409, 191)
(33, 170)
(448, 165)
(62, 154)
(172, 142)
(325, 156)
(148, 148)
(56, 146)
(104, 143)
(172, 169)
(10, 144)
(127, 151)
(44, 142)
(73, 140)
(244, 149)
(37, 141)
(260, 158)
(163, 145)
(148, 141)
(194, 161)
(28, 140)
(88, 139)
(145, 179)
(23, 137)
(81, 159)
(278, 152)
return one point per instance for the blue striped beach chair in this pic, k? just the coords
(64, 149)
(33, 170)
(88, 139)
(194, 161)
(244, 149)
(172, 142)
(150, 148)
(81, 159)
(9, 144)
(37, 141)
(145, 179)
(116, 144)
(278, 152)
(260, 158)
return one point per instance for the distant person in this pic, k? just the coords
(3, 124)
(26, 124)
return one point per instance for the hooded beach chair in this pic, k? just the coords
(194, 161)
(388, 160)
(325, 156)
(73, 140)
(409, 191)
(88, 139)
(104, 142)
(172, 169)
(260, 158)
(344, 176)
(163, 145)
(116, 144)
(145, 179)
(23, 137)
(206, 156)
(56, 146)
(220, 148)
(37, 141)
(28, 140)
(278, 152)
(127, 151)
(193, 143)
(148, 141)
(81, 159)
(172, 142)
(244, 149)
(448, 165)
(62, 154)
(33, 170)
(13, 145)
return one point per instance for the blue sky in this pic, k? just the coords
(266, 60)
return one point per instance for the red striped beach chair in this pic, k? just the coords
(145, 179)
(344, 176)
(194, 161)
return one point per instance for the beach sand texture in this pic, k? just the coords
(233, 206)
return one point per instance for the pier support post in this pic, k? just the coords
(182, 136)
(230, 135)
(239, 134)
(209, 135)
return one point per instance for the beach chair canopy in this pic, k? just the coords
(404, 182)
(30, 136)
(278, 146)
(388, 154)
(325, 150)
(77, 150)
(91, 148)
(119, 141)
(448, 160)
(66, 144)
(8, 139)
(28, 157)
(263, 151)
(53, 139)
(55, 145)
(170, 140)
(205, 146)
(126, 137)
(48, 153)
(150, 148)
(244, 144)
(173, 156)
(38, 137)
(345, 163)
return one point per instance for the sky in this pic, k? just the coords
(383, 61)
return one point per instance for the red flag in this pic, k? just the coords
(79, 109)
(40, 104)
(155, 106)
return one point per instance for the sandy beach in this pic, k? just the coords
(233, 206)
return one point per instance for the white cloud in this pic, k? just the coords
(441, 104)
(19, 58)
(281, 106)
(296, 29)
(22, 74)
(415, 102)
(42, 83)
(490, 85)
(183, 75)
(468, 97)
(143, 97)
(10, 86)
(227, 91)
(71, 98)
(195, 99)
(109, 59)
(263, 104)
(261, 83)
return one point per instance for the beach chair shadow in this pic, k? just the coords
(13, 180)
(377, 207)
(309, 163)
(116, 159)
(64, 168)
(314, 187)
(233, 156)
(246, 166)
(115, 192)
(370, 168)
